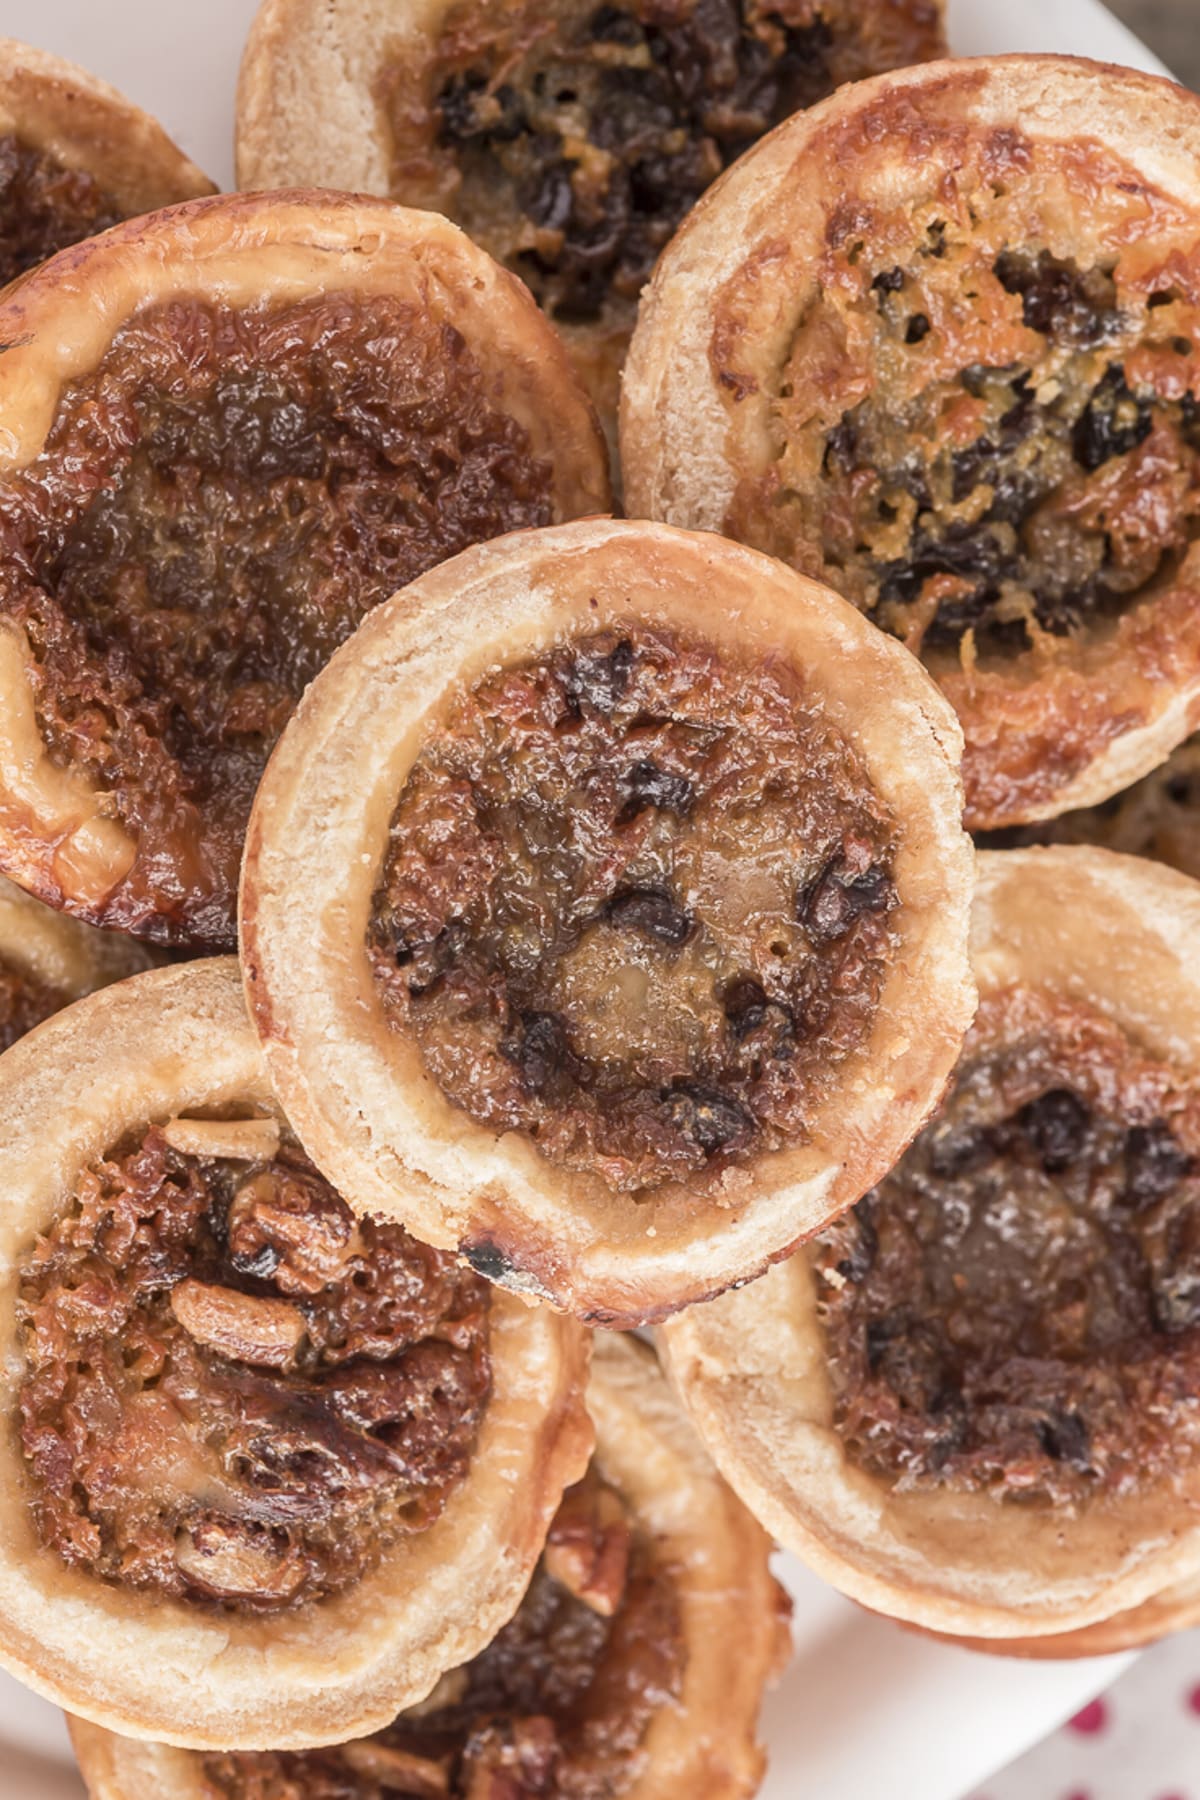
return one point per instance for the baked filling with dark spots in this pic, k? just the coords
(217, 506)
(556, 1708)
(24, 1002)
(993, 442)
(584, 132)
(636, 903)
(44, 207)
(235, 1394)
(1016, 1308)
(1158, 817)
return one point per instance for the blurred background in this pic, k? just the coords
(1171, 28)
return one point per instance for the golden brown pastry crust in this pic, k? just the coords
(60, 953)
(58, 836)
(152, 1048)
(1177, 1609)
(313, 108)
(56, 107)
(734, 1614)
(1117, 933)
(356, 1090)
(1072, 720)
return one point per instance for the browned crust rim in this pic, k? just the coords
(65, 111)
(372, 1118)
(1091, 925)
(58, 837)
(1177, 1609)
(150, 1047)
(683, 443)
(734, 1613)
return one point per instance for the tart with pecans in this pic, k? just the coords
(604, 912)
(47, 960)
(230, 429)
(971, 1402)
(568, 139)
(634, 1667)
(75, 158)
(937, 343)
(269, 1469)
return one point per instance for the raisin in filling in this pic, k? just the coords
(24, 1002)
(235, 1393)
(584, 139)
(1016, 1308)
(636, 903)
(557, 1708)
(1158, 817)
(994, 446)
(44, 207)
(216, 508)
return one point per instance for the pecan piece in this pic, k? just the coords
(288, 1227)
(230, 1561)
(242, 1327)
(239, 1140)
(587, 1550)
(400, 1771)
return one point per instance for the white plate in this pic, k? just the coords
(865, 1709)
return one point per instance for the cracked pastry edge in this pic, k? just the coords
(86, 124)
(674, 413)
(751, 1366)
(153, 1047)
(370, 1115)
(734, 1613)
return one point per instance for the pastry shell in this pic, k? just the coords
(62, 954)
(84, 124)
(355, 1088)
(1176, 1609)
(155, 1047)
(734, 1614)
(58, 836)
(1093, 926)
(705, 364)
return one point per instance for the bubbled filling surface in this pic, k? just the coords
(235, 1394)
(556, 1708)
(637, 904)
(216, 508)
(45, 206)
(1015, 1310)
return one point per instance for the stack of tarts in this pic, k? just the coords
(610, 948)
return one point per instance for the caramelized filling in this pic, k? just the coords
(235, 1394)
(217, 506)
(24, 1002)
(1158, 817)
(557, 1708)
(1016, 1308)
(44, 207)
(636, 904)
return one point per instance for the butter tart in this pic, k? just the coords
(937, 343)
(971, 1403)
(230, 428)
(48, 960)
(604, 912)
(268, 1470)
(75, 157)
(569, 139)
(633, 1669)
(1176, 1609)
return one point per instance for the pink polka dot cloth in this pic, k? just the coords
(1141, 1741)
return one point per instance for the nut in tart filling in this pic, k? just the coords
(232, 429)
(75, 158)
(633, 1668)
(937, 343)
(569, 140)
(658, 884)
(991, 1363)
(271, 1468)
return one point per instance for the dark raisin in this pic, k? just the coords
(953, 1151)
(1155, 1164)
(918, 329)
(1113, 422)
(541, 1052)
(1059, 300)
(1057, 1124)
(712, 1118)
(841, 446)
(835, 900)
(548, 197)
(611, 25)
(262, 1264)
(745, 1004)
(458, 102)
(909, 1355)
(645, 784)
(859, 1260)
(1065, 1437)
(653, 913)
(888, 281)
(600, 681)
(487, 1259)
